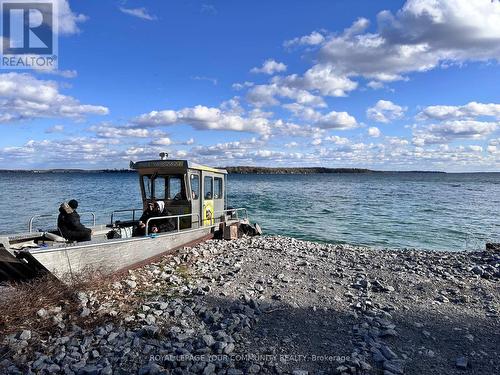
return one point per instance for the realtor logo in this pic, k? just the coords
(29, 34)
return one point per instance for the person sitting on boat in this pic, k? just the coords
(154, 209)
(163, 225)
(146, 215)
(69, 223)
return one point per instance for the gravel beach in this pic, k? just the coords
(273, 305)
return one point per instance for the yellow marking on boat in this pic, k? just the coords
(208, 212)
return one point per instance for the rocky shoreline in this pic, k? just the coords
(273, 305)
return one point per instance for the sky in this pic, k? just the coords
(387, 85)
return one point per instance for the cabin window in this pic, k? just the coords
(218, 192)
(159, 188)
(208, 185)
(175, 188)
(146, 182)
(195, 186)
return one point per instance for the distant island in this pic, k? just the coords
(230, 170)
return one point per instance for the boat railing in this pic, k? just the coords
(233, 212)
(177, 217)
(133, 210)
(47, 216)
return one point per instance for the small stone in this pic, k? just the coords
(395, 366)
(229, 348)
(253, 369)
(25, 335)
(85, 312)
(209, 369)
(42, 313)
(462, 362)
(208, 340)
(132, 284)
(387, 352)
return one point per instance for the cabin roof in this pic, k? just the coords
(170, 163)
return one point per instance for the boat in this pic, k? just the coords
(195, 197)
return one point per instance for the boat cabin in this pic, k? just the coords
(194, 191)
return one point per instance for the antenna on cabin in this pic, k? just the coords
(163, 155)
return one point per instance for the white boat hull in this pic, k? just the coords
(114, 255)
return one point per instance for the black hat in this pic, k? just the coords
(73, 204)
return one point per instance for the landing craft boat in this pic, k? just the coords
(194, 194)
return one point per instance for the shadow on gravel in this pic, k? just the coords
(294, 338)
(434, 342)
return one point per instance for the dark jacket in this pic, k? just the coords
(163, 225)
(71, 228)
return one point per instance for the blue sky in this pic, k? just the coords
(389, 85)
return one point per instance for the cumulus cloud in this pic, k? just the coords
(304, 89)
(64, 152)
(329, 120)
(336, 120)
(270, 67)
(205, 118)
(448, 131)
(163, 141)
(141, 13)
(266, 95)
(467, 111)
(68, 20)
(313, 39)
(240, 86)
(385, 111)
(338, 140)
(419, 37)
(374, 132)
(110, 131)
(24, 97)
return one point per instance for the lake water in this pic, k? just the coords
(416, 210)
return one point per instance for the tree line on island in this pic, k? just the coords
(231, 170)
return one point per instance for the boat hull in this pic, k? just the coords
(117, 255)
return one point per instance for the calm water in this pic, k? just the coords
(429, 211)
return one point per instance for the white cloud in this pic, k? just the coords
(451, 130)
(205, 118)
(24, 97)
(110, 131)
(270, 67)
(320, 78)
(163, 141)
(374, 132)
(385, 111)
(313, 39)
(141, 13)
(68, 20)
(55, 129)
(266, 95)
(475, 148)
(241, 86)
(467, 111)
(419, 37)
(212, 80)
(338, 140)
(336, 120)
